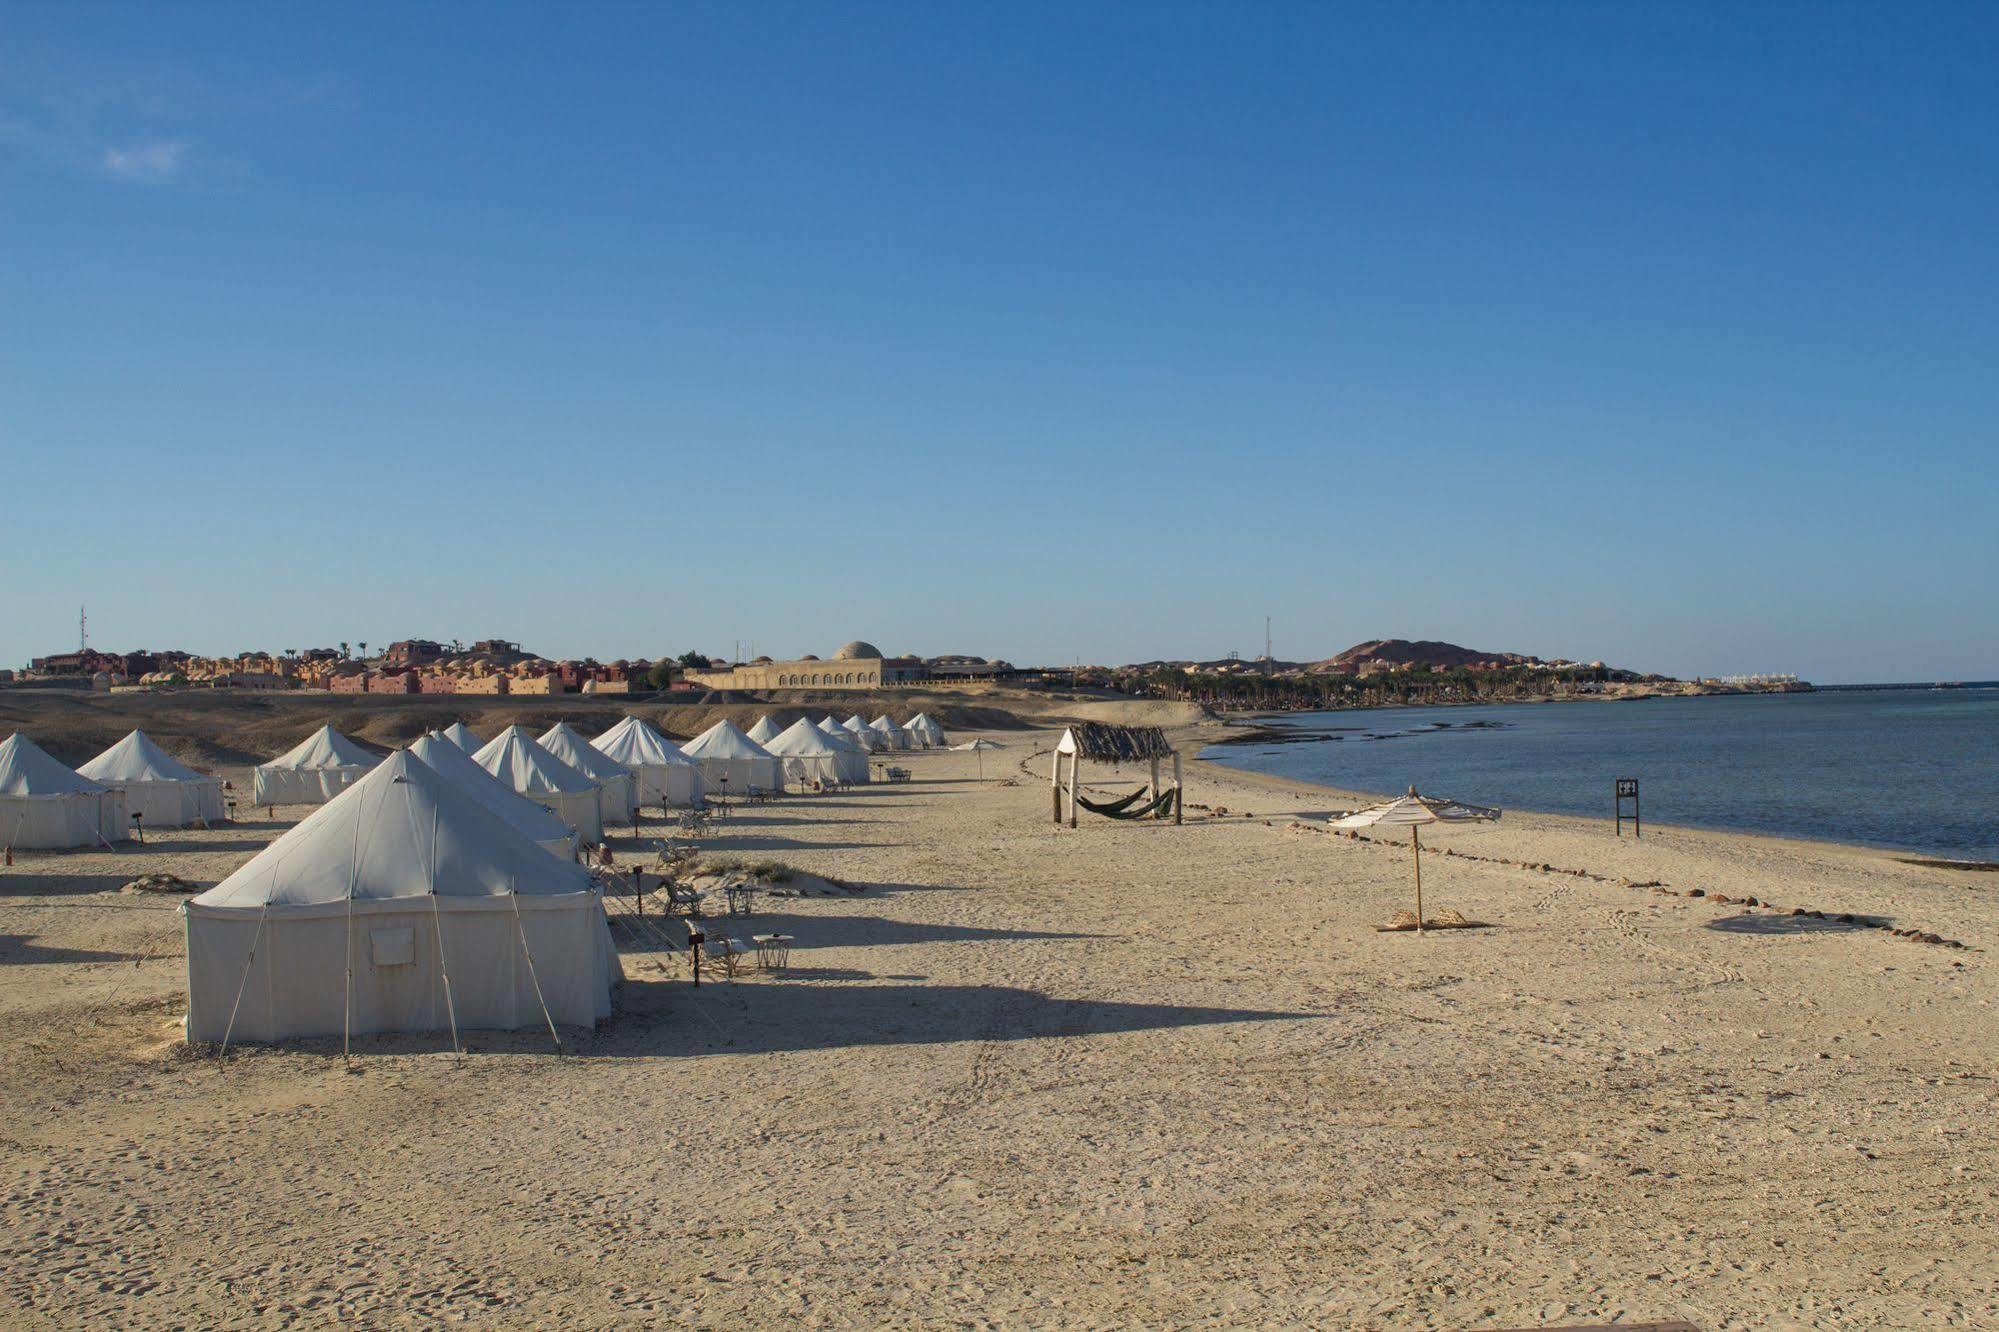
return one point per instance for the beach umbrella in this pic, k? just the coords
(1414, 811)
(979, 747)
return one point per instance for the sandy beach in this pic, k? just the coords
(1127, 1075)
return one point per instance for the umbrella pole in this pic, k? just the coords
(1416, 848)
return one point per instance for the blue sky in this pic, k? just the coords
(1657, 334)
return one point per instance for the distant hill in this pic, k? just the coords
(1391, 652)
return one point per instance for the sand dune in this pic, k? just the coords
(1130, 1075)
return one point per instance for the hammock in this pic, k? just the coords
(1112, 808)
(1120, 809)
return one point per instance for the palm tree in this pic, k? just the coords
(364, 648)
(343, 649)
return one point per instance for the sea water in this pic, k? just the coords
(1914, 769)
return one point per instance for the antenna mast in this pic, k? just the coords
(1268, 661)
(82, 630)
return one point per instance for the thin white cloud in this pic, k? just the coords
(149, 163)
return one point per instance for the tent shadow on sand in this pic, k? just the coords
(16, 951)
(660, 1018)
(55, 883)
(721, 841)
(817, 931)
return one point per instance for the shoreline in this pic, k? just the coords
(1203, 740)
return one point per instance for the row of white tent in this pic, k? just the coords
(877, 736)
(46, 805)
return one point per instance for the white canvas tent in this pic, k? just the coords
(620, 790)
(809, 756)
(401, 906)
(897, 737)
(925, 732)
(535, 822)
(864, 735)
(665, 776)
(45, 805)
(312, 772)
(520, 763)
(458, 733)
(159, 788)
(764, 730)
(841, 737)
(731, 761)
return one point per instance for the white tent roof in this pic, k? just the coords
(458, 733)
(724, 740)
(400, 832)
(519, 762)
(922, 722)
(884, 725)
(137, 759)
(324, 748)
(840, 737)
(800, 739)
(524, 816)
(637, 744)
(854, 723)
(563, 741)
(27, 770)
(764, 731)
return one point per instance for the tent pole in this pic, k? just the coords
(347, 1014)
(1055, 785)
(450, 1008)
(1075, 762)
(528, 953)
(255, 937)
(1417, 848)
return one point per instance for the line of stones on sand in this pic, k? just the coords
(1659, 888)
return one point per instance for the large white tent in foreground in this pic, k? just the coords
(401, 906)
(810, 756)
(535, 822)
(312, 772)
(665, 776)
(731, 761)
(159, 788)
(620, 791)
(519, 762)
(45, 805)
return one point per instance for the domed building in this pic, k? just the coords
(858, 665)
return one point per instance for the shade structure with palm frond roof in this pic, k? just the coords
(519, 761)
(665, 776)
(1413, 811)
(620, 794)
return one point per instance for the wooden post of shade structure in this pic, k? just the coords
(1179, 792)
(1075, 762)
(1152, 792)
(1417, 847)
(1054, 787)
(638, 893)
